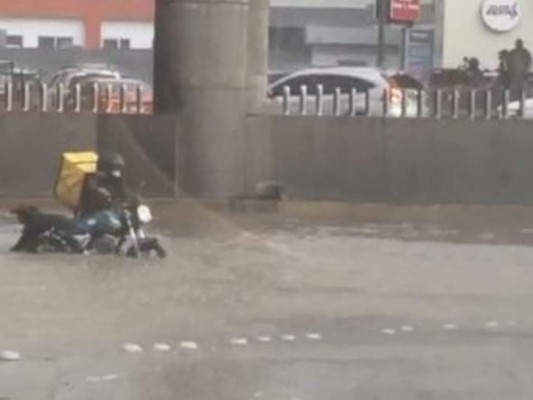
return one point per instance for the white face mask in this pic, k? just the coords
(116, 173)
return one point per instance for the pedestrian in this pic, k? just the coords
(519, 62)
(504, 79)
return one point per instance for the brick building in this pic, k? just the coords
(79, 23)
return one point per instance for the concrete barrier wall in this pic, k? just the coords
(31, 145)
(30, 148)
(359, 160)
(397, 161)
(148, 144)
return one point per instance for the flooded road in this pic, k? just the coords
(270, 307)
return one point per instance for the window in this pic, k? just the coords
(46, 42)
(295, 85)
(64, 42)
(110, 44)
(14, 41)
(344, 83)
(125, 44)
(115, 44)
(52, 42)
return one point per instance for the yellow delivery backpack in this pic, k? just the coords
(75, 166)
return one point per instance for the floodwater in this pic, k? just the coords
(276, 307)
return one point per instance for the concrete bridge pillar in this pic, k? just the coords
(258, 18)
(201, 59)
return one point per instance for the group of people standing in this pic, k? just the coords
(514, 68)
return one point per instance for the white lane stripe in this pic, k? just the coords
(188, 345)
(132, 348)
(449, 327)
(388, 331)
(9, 355)
(239, 341)
(313, 336)
(162, 347)
(407, 329)
(106, 378)
(288, 338)
(264, 339)
(492, 324)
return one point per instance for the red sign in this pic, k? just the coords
(404, 10)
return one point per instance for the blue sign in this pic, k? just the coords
(419, 51)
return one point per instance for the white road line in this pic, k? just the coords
(449, 327)
(492, 324)
(288, 338)
(132, 348)
(314, 336)
(407, 329)
(388, 331)
(188, 345)
(264, 339)
(162, 347)
(10, 355)
(106, 378)
(239, 341)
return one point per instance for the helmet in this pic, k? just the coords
(111, 164)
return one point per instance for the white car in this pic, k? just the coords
(345, 80)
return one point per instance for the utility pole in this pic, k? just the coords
(381, 8)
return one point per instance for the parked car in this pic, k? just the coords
(66, 74)
(363, 79)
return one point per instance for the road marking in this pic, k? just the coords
(264, 339)
(492, 324)
(388, 331)
(162, 347)
(407, 328)
(239, 341)
(106, 378)
(188, 345)
(132, 348)
(449, 327)
(314, 336)
(487, 236)
(288, 338)
(9, 355)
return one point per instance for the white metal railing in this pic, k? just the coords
(111, 98)
(407, 103)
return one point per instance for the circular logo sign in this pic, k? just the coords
(501, 15)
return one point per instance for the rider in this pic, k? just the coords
(102, 194)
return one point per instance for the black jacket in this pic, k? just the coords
(101, 192)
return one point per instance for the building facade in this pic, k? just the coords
(334, 32)
(77, 23)
(489, 25)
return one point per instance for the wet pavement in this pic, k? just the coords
(274, 307)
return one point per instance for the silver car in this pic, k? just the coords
(330, 91)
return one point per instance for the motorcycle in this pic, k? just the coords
(48, 233)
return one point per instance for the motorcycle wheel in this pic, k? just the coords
(147, 248)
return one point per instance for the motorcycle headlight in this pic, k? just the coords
(144, 214)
